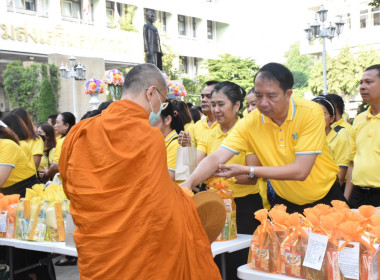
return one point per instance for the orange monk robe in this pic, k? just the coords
(133, 221)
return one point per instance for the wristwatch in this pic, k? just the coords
(251, 172)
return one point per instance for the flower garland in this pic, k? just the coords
(94, 86)
(114, 77)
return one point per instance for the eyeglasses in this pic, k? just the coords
(161, 94)
(208, 95)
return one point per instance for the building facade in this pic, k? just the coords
(105, 34)
(360, 32)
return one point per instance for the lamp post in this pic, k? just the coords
(77, 72)
(317, 30)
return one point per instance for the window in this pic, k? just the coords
(181, 25)
(162, 20)
(29, 5)
(210, 30)
(109, 13)
(184, 60)
(363, 18)
(348, 20)
(194, 27)
(71, 9)
(376, 16)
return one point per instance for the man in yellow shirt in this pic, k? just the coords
(206, 123)
(288, 138)
(363, 181)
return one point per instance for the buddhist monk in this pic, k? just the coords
(133, 221)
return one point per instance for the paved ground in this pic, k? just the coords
(66, 272)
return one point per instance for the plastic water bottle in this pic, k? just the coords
(40, 231)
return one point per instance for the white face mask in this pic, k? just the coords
(153, 117)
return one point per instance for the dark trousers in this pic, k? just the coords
(246, 224)
(364, 196)
(335, 193)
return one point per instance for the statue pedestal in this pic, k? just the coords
(94, 101)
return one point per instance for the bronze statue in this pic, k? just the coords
(152, 46)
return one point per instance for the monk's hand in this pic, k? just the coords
(230, 170)
(184, 139)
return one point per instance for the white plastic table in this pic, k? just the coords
(245, 273)
(218, 247)
(222, 247)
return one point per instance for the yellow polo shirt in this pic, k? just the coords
(36, 146)
(342, 123)
(46, 160)
(12, 155)
(199, 128)
(25, 146)
(338, 145)
(171, 149)
(58, 150)
(302, 133)
(210, 142)
(364, 150)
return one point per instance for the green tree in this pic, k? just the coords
(300, 65)
(232, 68)
(46, 102)
(21, 86)
(375, 3)
(343, 72)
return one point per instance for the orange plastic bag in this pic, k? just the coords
(351, 232)
(293, 248)
(265, 248)
(220, 185)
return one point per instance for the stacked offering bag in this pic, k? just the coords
(221, 186)
(332, 243)
(8, 205)
(41, 215)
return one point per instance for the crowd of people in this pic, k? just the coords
(118, 165)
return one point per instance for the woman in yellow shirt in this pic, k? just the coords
(35, 142)
(16, 171)
(227, 100)
(46, 131)
(15, 123)
(184, 112)
(170, 124)
(337, 138)
(64, 122)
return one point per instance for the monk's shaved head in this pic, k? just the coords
(141, 77)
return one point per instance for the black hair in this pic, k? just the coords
(182, 110)
(94, 113)
(24, 115)
(199, 108)
(233, 92)
(277, 72)
(337, 101)
(195, 114)
(251, 91)
(53, 118)
(189, 105)
(326, 102)
(176, 122)
(49, 141)
(68, 118)
(372, 67)
(210, 83)
(16, 124)
(6, 133)
(104, 105)
(86, 115)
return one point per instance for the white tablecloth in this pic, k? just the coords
(219, 247)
